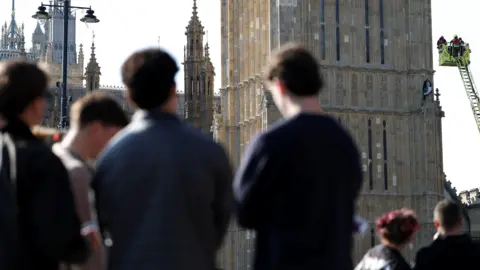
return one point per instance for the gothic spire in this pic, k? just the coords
(92, 66)
(195, 24)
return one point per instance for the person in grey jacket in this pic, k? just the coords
(163, 189)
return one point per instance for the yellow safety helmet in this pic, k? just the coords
(455, 36)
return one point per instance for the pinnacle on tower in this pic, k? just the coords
(207, 51)
(81, 56)
(194, 20)
(194, 12)
(92, 66)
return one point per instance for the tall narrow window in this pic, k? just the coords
(372, 237)
(382, 35)
(322, 28)
(91, 82)
(191, 89)
(370, 155)
(337, 30)
(367, 33)
(385, 163)
(197, 91)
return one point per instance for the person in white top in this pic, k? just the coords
(94, 120)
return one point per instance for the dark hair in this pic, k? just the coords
(21, 83)
(448, 213)
(149, 76)
(397, 226)
(97, 106)
(297, 68)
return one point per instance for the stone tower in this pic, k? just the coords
(54, 31)
(375, 56)
(199, 76)
(92, 71)
(38, 42)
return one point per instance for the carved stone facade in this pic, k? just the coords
(375, 56)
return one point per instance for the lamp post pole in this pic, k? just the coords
(63, 99)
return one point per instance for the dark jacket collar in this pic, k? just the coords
(18, 129)
(458, 238)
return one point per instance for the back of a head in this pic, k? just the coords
(97, 107)
(297, 69)
(21, 83)
(397, 227)
(448, 214)
(149, 76)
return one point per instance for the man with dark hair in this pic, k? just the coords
(452, 248)
(150, 79)
(163, 189)
(298, 182)
(42, 227)
(94, 120)
(447, 217)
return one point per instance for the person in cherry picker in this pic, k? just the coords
(455, 46)
(462, 46)
(440, 42)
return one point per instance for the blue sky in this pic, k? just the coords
(127, 26)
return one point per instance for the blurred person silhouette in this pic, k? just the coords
(94, 120)
(47, 135)
(395, 230)
(452, 247)
(40, 226)
(297, 183)
(163, 189)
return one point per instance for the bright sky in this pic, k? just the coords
(127, 26)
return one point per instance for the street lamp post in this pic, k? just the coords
(42, 15)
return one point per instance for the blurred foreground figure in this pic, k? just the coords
(452, 248)
(39, 224)
(395, 230)
(163, 189)
(94, 120)
(48, 135)
(297, 184)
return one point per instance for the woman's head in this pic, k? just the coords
(397, 227)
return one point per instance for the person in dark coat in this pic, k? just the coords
(298, 182)
(452, 248)
(49, 230)
(163, 188)
(396, 230)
